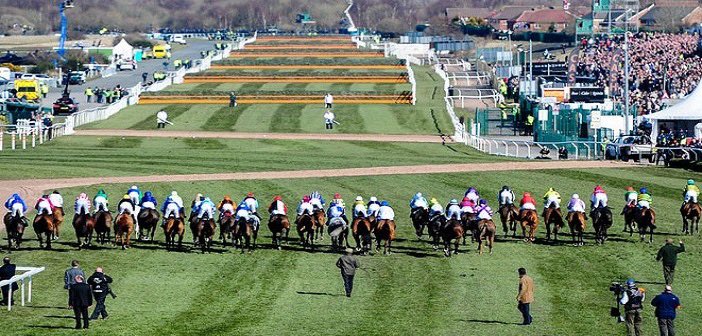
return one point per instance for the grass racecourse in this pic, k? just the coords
(414, 291)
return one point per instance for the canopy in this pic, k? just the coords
(123, 50)
(690, 108)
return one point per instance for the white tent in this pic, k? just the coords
(685, 114)
(123, 50)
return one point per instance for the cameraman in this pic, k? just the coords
(100, 284)
(633, 299)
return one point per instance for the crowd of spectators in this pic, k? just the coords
(663, 66)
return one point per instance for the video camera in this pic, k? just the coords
(616, 288)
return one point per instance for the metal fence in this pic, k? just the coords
(574, 150)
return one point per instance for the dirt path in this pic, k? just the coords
(272, 136)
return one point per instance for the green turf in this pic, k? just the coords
(77, 156)
(415, 291)
(427, 117)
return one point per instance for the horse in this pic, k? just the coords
(601, 221)
(279, 225)
(205, 230)
(15, 230)
(529, 218)
(174, 227)
(509, 215)
(384, 231)
(84, 225)
(339, 233)
(226, 223)
(305, 228)
(103, 226)
(691, 217)
(434, 229)
(361, 229)
(486, 233)
(554, 222)
(470, 226)
(451, 231)
(646, 221)
(577, 223)
(242, 233)
(124, 227)
(58, 214)
(420, 219)
(44, 227)
(319, 220)
(193, 221)
(148, 221)
(629, 213)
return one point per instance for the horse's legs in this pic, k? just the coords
(455, 245)
(255, 236)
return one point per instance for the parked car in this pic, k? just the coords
(38, 77)
(631, 147)
(75, 78)
(126, 65)
(65, 105)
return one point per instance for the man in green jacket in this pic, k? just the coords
(668, 254)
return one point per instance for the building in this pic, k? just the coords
(667, 15)
(544, 20)
(468, 12)
(504, 18)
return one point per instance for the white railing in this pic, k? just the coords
(243, 43)
(413, 81)
(459, 129)
(352, 25)
(103, 112)
(576, 150)
(29, 272)
(474, 94)
(465, 78)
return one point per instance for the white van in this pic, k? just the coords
(5, 74)
(178, 39)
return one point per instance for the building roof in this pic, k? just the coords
(510, 12)
(546, 16)
(676, 3)
(468, 12)
(667, 13)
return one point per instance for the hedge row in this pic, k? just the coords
(311, 61)
(299, 73)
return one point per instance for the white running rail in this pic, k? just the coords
(413, 81)
(26, 276)
(459, 129)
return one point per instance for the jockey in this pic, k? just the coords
(15, 204)
(575, 205)
(206, 207)
(148, 201)
(252, 203)
(359, 207)
(483, 210)
(453, 210)
(418, 201)
(178, 201)
(527, 203)
(226, 206)
(100, 201)
(435, 209)
(373, 206)
(278, 207)
(134, 194)
(173, 205)
(631, 196)
(195, 205)
(472, 194)
(44, 205)
(336, 211)
(385, 212)
(691, 191)
(599, 198)
(305, 206)
(317, 201)
(552, 197)
(505, 196)
(243, 211)
(126, 205)
(82, 203)
(56, 199)
(467, 206)
(644, 200)
(338, 200)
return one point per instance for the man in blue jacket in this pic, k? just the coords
(665, 304)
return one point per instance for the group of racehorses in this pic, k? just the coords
(453, 231)
(242, 232)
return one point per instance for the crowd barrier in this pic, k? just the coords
(23, 279)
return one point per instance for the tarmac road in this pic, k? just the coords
(129, 78)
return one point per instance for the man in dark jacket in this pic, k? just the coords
(80, 300)
(7, 271)
(70, 275)
(668, 254)
(665, 304)
(348, 265)
(100, 284)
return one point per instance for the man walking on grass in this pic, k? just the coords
(666, 303)
(668, 255)
(525, 296)
(348, 265)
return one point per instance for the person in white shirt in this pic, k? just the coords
(57, 200)
(386, 212)
(161, 119)
(328, 101)
(329, 120)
